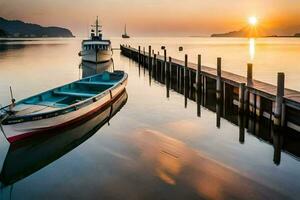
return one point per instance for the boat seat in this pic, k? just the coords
(52, 102)
(74, 94)
(94, 83)
(106, 76)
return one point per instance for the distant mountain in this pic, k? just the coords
(230, 34)
(249, 32)
(16, 28)
(244, 32)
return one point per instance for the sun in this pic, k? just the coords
(252, 20)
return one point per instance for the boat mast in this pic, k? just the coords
(97, 26)
(125, 30)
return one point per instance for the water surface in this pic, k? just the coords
(154, 148)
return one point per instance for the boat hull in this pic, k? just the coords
(32, 154)
(19, 131)
(96, 56)
(89, 68)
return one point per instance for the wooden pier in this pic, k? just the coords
(252, 97)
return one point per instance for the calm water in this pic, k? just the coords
(153, 147)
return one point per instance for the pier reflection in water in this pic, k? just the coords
(225, 107)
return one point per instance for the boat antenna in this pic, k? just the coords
(97, 26)
(12, 97)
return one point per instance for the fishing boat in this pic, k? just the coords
(96, 49)
(125, 35)
(89, 69)
(60, 107)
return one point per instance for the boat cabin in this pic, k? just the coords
(93, 45)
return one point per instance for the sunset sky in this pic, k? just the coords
(158, 17)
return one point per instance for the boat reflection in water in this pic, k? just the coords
(30, 155)
(89, 68)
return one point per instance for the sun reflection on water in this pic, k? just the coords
(252, 48)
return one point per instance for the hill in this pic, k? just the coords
(244, 32)
(16, 28)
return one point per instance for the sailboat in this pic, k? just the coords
(125, 35)
(96, 49)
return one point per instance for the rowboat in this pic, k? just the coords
(60, 107)
(33, 153)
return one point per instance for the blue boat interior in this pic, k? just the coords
(74, 92)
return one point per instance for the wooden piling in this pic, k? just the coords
(190, 83)
(198, 86)
(178, 78)
(144, 59)
(154, 65)
(218, 113)
(149, 61)
(139, 56)
(139, 60)
(168, 77)
(241, 97)
(279, 100)
(249, 74)
(249, 84)
(185, 79)
(219, 71)
(164, 67)
(224, 99)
